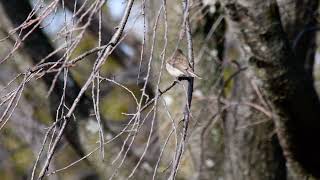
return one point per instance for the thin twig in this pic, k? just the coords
(186, 113)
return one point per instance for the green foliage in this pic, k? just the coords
(36, 96)
(84, 67)
(20, 157)
(118, 101)
(227, 73)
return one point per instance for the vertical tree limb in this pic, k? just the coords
(186, 113)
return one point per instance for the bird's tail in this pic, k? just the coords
(192, 74)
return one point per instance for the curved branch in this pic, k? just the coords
(107, 30)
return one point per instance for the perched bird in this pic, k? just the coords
(179, 66)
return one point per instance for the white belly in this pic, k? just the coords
(173, 71)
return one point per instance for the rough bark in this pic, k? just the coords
(252, 148)
(285, 83)
(299, 22)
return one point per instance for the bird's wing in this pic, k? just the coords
(185, 67)
(182, 63)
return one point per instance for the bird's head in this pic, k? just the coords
(179, 51)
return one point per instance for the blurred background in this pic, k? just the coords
(122, 128)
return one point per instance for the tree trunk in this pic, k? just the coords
(252, 148)
(281, 74)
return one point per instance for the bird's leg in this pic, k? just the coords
(181, 121)
(181, 78)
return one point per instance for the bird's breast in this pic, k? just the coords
(173, 71)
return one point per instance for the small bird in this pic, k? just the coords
(179, 66)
